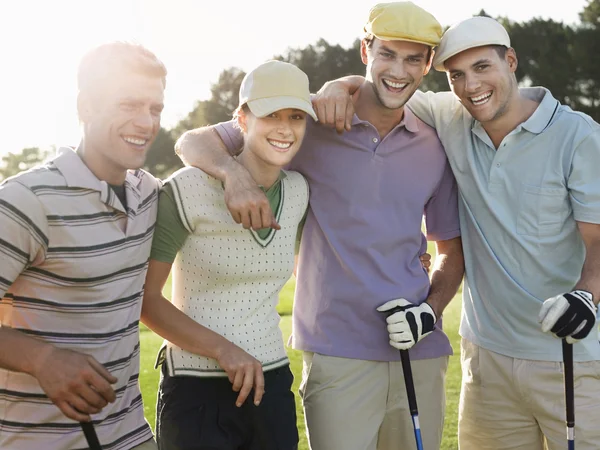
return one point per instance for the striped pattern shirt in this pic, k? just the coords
(72, 269)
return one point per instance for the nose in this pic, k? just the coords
(472, 83)
(398, 70)
(144, 120)
(284, 127)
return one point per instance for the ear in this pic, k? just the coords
(511, 59)
(84, 107)
(428, 66)
(363, 52)
(242, 120)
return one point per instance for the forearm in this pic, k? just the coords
(351, 82)
(447, 274)
(162, 317)
(20, 352)
(203, 148)
(590, 273)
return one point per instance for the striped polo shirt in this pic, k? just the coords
(72, 273)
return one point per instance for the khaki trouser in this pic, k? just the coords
(515, 404)
(148, 445)
(352, 404)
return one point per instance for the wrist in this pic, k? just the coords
(232, 171)
(434, 310)
(42, 354)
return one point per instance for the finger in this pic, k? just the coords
(582, 334)
(266, 218)
(93, 398)
(238, 380)
(81, 406)
(340, 115)
(401, 345)
(389, 305)
(246, 386)
(259, 384)
(348, 112)
(400, 327)
(237, 217)
(565, 326)
(72, 413)
(330, 111)
(101, 370)
(101, 381)
(274, 224)
(256, 219)
(322, 113)
(246, 221)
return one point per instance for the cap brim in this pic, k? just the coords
(265, 106)
(440, 59)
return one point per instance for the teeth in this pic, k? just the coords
(481, 99)
(279, 144)
(134, 141)
(395, 85)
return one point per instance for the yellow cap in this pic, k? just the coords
(276, 85)
(403, 21)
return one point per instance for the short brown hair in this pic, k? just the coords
(111, 59)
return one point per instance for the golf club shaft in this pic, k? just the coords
(90, 435)
(412, 397)
(569, 393)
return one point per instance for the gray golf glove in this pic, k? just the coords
(571, 315)
(407, 323)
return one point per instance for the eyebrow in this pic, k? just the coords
(481, 61)
(414, 55)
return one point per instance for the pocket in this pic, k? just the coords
(469, 361)
(307, 365)
(542, 211)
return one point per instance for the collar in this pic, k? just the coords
(78, 175)
(409, 121)
(544, 113)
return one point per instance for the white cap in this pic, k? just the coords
(473, 32)
(276, 85)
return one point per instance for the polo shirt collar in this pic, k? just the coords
(545, 111)
(409, 121)
(78, 175)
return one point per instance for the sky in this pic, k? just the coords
(41, 42)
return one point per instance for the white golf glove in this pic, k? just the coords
(407, 323)
(571, 315)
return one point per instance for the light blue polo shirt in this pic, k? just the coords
(518, 211)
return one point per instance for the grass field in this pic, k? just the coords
(151, 342)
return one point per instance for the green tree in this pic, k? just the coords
(161, 159)
(224, 96)
(13, 163)
(590, 15)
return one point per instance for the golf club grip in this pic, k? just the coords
(90, 435)
(569, 393)
(408, 380)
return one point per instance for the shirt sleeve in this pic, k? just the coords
(170, 233)
(436, 109)
(24, 237)
(584, 180)
(441, 211)
(231, 136)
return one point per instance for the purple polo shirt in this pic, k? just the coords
(362, 237)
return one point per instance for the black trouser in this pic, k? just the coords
(195, 413)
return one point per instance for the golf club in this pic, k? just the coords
(567, 350)
(410, 388)
(412, 397)
(90, 435)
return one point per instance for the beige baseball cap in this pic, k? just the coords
(276, 85)
(469, 33)
(403, 21)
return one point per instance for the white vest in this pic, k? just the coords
(228, 278)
